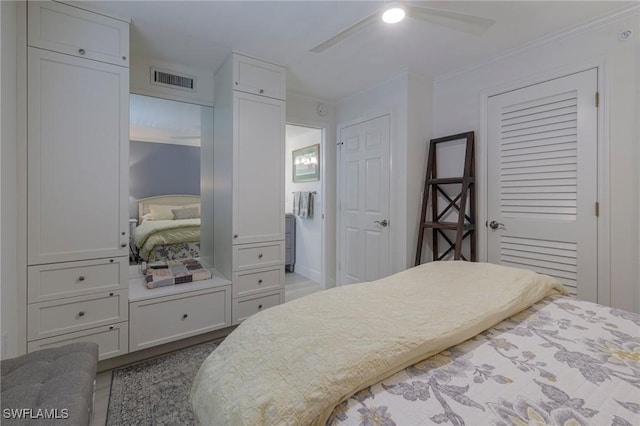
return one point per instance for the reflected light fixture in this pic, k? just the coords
(393, 14)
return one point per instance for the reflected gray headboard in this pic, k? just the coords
(165, 200)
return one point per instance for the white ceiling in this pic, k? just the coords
(201, 34)
(164, 121)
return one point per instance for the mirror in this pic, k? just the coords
(164, 176)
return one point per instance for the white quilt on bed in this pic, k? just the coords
(157, 232)
(292, 364)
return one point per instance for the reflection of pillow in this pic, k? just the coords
(146, 218)
(161, 212)
(186, 213)
(196, 205)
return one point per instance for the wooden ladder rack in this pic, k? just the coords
(465, 225)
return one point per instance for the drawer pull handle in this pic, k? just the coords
(110, 327)
(124, 58)
(261, 90)
(259, 281)
(235, 236)
(110, 294)
(123, 244)
(260, 256)
(81, 51)
(81, 278)
(81, 313)
(185, 316)
(259, 306)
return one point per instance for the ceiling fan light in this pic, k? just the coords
(393, 15)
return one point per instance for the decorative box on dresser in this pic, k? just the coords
(77, 178)
(248, 195)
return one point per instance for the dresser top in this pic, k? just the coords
(139, 291)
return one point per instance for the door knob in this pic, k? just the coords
(383, 222)
(494, 225)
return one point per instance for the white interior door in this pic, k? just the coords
(364, 201)
(542, 180)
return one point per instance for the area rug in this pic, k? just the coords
(156, 391)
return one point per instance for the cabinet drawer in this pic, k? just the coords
(112, 340)
(258, 255)
(165, 319)
(67, 29)
(258, 77)
(48, 319)
(60, 280)
(244, 308)
(252, 282)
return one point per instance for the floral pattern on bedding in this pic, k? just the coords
(175, 251)
(560, 362)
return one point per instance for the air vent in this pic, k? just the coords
(175, 81)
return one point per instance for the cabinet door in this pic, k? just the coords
(258, 175)
(258, 77)
(77, 158)
(67, 29)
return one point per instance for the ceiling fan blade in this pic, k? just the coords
(454, 20)
(345, 33)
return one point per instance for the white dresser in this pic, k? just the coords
(77, 178)
(248, 171)
(165, 314)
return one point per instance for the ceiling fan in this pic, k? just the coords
(396, 11)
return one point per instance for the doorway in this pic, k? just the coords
(304, 209)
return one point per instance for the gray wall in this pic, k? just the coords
(161, 169)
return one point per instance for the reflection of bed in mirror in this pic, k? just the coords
(168, 227)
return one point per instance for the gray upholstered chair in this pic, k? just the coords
(57, 382)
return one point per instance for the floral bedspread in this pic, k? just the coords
(561, 362)
(188, 250)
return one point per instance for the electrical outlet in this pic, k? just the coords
(5, 342)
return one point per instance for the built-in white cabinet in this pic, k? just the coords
(258, 168)
(77, 178)
(73, 31)
(77, 158)
(258, 77)
(165, 314)
(248, 170)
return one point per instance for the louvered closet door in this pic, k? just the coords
(542, 182)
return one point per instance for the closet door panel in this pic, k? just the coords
(77, 158)
(258, 193)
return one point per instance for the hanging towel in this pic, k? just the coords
(303, 204)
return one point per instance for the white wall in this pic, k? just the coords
(140, 83)
(308, 230)
(407, 98)
(303, 110)
(8, 209)
(457, 108)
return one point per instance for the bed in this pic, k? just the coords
(446, 343)
(168, 228)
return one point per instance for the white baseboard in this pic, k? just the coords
(307, 272)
